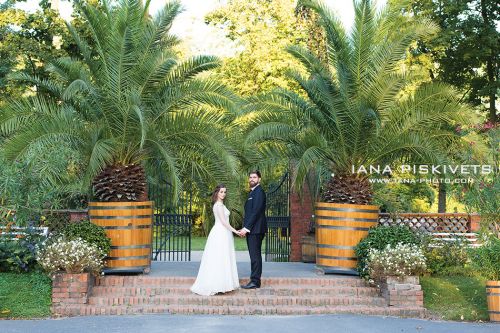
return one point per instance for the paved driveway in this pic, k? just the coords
(237, 324)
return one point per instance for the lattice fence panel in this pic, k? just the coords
(451, 223)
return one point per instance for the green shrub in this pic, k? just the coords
(19, 255)
(441, 262)
(486, 259)
(55, 221)
(378, 238)
(90, 233)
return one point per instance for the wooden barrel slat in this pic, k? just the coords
(129, 226)
(128, 204)
(122, 222)
(493, 298)
(339, 228)
(131, 252)
(334, 213)
(122, 265)
(347, 265)
(336, 252)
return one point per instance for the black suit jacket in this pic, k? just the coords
(255, 211)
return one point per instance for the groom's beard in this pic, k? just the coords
(252, 184)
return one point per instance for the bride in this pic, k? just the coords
(218, 272)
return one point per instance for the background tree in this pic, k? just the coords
(261, 29)
(483, 195)
(135, 107)
(27, 42)
(26, 184)
(315, 35)
(359, 108)
(466, 51)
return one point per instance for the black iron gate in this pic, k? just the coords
(172, 224)
(278, 221)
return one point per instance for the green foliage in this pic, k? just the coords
(260, 30)
(90, 233)
(19, 255)
(359, 108)
(27, 43)
(133, 103)
(395, 197)
(466, 49)
(378, 238)
(41, 179)
(26, 296)
(55, 221)
(486, 259)
(483, 195)
(440, 261)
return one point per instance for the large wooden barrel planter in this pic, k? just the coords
(339, 228)
(493, 298)
(129, 226)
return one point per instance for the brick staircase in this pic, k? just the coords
(116, 295)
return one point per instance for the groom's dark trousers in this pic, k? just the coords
(255, 221)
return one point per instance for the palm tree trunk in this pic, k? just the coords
(442, 198)
(490, 71)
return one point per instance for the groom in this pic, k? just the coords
(255, 227)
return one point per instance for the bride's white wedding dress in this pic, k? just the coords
(218, 272)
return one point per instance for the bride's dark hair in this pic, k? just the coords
(216, 191)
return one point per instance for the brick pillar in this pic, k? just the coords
(402, 292)
(71, 289)
(474, 221)
(301, 211)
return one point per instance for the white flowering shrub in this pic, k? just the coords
(400, 260)
(70, 256)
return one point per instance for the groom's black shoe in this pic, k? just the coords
(251, 285)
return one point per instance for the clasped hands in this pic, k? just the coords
(241, 232)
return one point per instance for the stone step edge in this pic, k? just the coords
(264, 287)
(268, 282)
(235, 298)
(284, 293)
(264, 278)
(75, 310)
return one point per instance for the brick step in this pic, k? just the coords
(80, 310)
(277, 291)
(144, 281)
(237, 301)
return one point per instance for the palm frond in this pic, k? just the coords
(359, 107)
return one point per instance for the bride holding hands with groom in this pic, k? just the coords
(218, 271)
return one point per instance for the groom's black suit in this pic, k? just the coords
(255, 221)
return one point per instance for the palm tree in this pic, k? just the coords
(129, 106)
(357, 107)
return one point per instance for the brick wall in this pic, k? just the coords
(301, 211)
(78, 215)
(71, 289)
(402, 292)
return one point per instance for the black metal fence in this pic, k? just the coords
(277, 247)
(172, 224)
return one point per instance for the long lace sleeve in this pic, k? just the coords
(219, 213)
